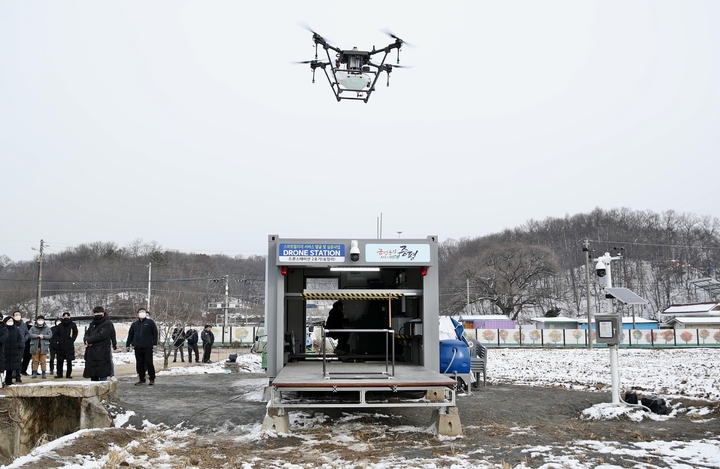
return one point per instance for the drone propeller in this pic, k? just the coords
(397, 38)
(316, 35)
(313, 65)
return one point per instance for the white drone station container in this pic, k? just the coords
(388, 288)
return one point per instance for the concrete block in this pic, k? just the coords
(276, 420)
(93, 414)
(49, 410)
(435, 395)
(80, 389)
(447, 423)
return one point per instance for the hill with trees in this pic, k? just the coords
(181, 285)
(537, 269)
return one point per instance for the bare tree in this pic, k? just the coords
(512, 276)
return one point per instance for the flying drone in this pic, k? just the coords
(352, 74)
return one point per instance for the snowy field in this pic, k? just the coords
(670, 373)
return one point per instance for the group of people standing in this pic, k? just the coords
(24, 341)
(179, 336)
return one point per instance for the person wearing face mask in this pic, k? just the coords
(192, 341)
(53, 346)
(40, 335)
(208, 339)
(143, 336)
(3, 339)
(27, 354)
(23, 329)
(13, 348)
(67, 333)
(98, 347)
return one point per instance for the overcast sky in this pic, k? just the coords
(186, 123)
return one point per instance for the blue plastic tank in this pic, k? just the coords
(454, 357)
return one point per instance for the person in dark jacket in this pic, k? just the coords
(13, 348)
(27, 354)
(178, 335)
(208, 339)
(53, 346)
(143, 337)
(335, 321)
(67, 333)
(24, 329)
(98, 353)
(113, 339)
(3, 339)
(192, 341)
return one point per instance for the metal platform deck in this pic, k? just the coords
(302, 384)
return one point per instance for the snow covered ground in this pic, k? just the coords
(692, 373)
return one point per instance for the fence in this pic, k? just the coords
(243, 335)
(578, 337)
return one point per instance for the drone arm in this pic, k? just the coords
(387, 49)
(319, 40)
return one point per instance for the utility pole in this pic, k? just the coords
(38, 304)
(227, 301)
(244, 297)
(586, 251)
(467, 285)
(149, 283)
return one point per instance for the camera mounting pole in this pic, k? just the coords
(603, 270)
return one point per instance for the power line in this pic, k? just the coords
(123, 281)
(621, 243)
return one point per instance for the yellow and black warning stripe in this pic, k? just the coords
(349, 296)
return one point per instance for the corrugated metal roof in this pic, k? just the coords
(483, 317)
(626, 320)
(691, 308)
(706, 320)
(555, 319)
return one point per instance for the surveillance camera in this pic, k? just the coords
(600, 269)
(354, 251)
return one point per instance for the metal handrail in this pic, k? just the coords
(389, 348)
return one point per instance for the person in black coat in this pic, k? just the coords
(25, 336)
(98, 347)
(53, 346)
(178, 335)
(67, 333)
(3, 339)
(208, 339)
(13, 347)
(335, 321)
(143, 337)
(192, 341)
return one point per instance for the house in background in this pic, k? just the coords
(486, 321)
(691, 316)
(558, 322)
(695, 323)
(627, 322)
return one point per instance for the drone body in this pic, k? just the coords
(353, 74)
